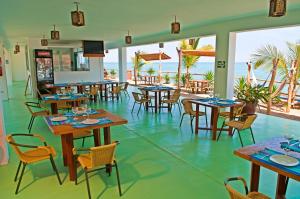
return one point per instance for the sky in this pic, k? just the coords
(247, 43)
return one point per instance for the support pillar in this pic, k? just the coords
(225, 64)
(101, 64)
(122, 53)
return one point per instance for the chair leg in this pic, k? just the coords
(192, 118)
(55, 169)
(240, 138)
(139, 108)
(33, 117)
(17, 173)
(132, 107)
(221, 131)
(29, 124)
(75, 168)
(206, 117)
(179, 107)
(20, 179)
(181, 119)
(118, 178)
(83, 139)
(252, 135)
(87, 183)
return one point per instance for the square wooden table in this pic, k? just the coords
(282, 175)
(214, 116)
(66, 131)
(75, 101)
(157, 90)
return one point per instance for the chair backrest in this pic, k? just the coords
(116, 90)
(33, 107)
(187, 106)
(126, 84)
(136, 96)
(234, 194)
(239, 109)
(175, 96)
(94, 90)
(249, 121)
(11, 141)
(102, 155)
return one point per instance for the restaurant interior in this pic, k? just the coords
(69, 130)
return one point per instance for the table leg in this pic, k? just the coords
(255, 172)
(97, 140)
(147, 103)
(105, 92)
(169, 106)
(281, 186)
(67, 146)
(159, 99)
(155, 102)
(107, 140)
(197, 119)
(101, 90)
(231, 118)
(54, 108)
(215, 112)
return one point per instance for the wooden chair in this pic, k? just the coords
(36, 153)
(174, 99)
(239, 125)
(94, 159)
(139, 99)
(234, 194)
(237, 112)
(115, 93)
(93, 92)
(35, 109)
(124, 88)
(188, 110)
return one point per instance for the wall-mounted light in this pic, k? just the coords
(44, 41)
(175, 27)
(277, 8)
(161, 45)
(77, 16)
(191, 41)
(17, 48)
(106, 51)
(54, 34)
(128, 39)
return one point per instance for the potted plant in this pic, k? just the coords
(113, 73)
(167, 78)
(250, 94)
(150, 71)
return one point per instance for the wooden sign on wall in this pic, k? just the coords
(221, 64)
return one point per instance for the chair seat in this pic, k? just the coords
(168, 101)
(143, 100)
(38, 154)
(193, 113)
(86, 161)
(41, 113)
(224, 114)
(235, 124)
(82, 134)
(257, 195)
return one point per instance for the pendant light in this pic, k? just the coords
(15, 52)
(44, 41)
(106, 51)
(77, 16)
(191, 41)
(277, 8)
(175, 27)
(17, 48)
(161, 45)
(54, 34)
(128, 38)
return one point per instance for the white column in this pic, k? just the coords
(224, 65)
(101, 69)
(3, 144)
(122, 53)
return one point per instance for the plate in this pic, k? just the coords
(50, 97)
(59, 119)
(90, 121)
(284, 160)
(65, 98)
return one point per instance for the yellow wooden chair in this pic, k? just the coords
(96, 158)
(35, 154)
(139, 99)
(239, 125)
(35, 109)
(115, 92)
(174, 99)
(188, 110)
(93, 92)
(124, 88)
(234, 194)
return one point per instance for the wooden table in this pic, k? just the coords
(103, 87)
(157, 97)
(53, 102)
(282, 177)
(214, 117)
(66, 131)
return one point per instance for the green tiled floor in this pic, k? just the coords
(157, 159)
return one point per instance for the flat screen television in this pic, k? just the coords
(93, 48)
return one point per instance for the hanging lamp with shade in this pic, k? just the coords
(77, 17)
(175, 27)
(55, 34)
(277, 8)
(17, 48)
(191, 41)
(161, 45)
(106, 51)
(128, 38)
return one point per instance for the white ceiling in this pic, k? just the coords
(109, 20)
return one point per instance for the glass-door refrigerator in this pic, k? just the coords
(44, 68)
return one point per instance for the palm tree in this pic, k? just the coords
(138, 64)
(189, 60)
